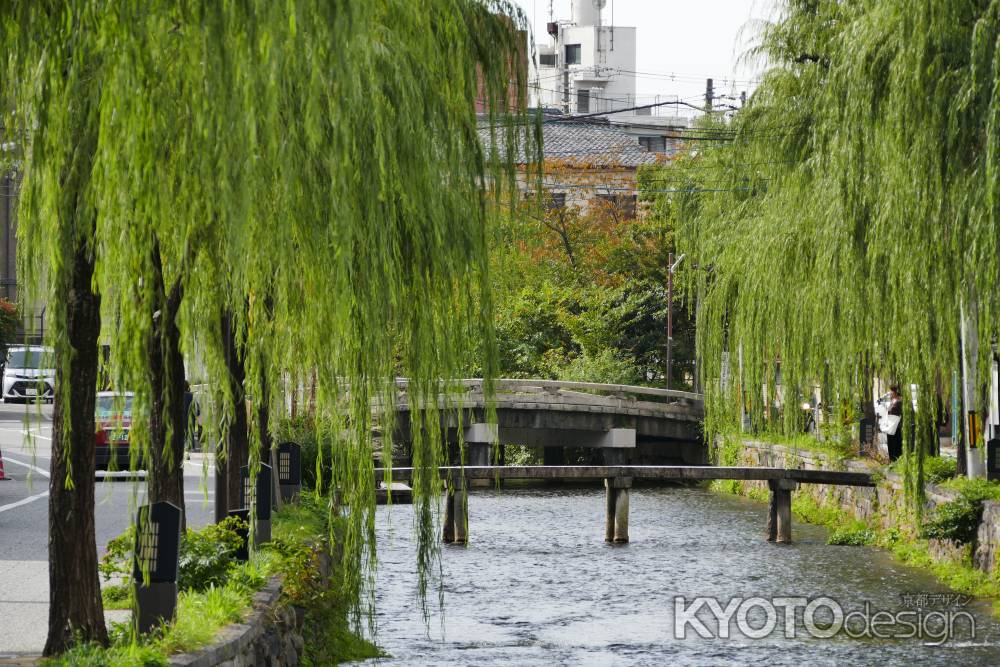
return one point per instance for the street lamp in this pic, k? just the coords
(670, 312)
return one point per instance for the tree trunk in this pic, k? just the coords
(75, 608)
(264, 421)
(238, 435)
(166, 417)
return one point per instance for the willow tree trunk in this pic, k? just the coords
(264, 420)
(75, 608)
(167, 420)
(238, 435)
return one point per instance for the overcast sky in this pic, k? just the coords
(680, 43)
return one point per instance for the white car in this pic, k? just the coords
(29, 374)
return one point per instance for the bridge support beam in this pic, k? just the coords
(616, 509)
(456, 513)
(779, 514)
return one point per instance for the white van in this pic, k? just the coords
(29, 374)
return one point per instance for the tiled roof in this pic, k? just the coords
(588, 144)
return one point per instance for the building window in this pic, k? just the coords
(654, 144)
(583, 101)
(546, 60)
(573, 54)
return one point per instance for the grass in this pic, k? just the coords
(200, 616)
(299, 532)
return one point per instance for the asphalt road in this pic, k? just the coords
(25, 444)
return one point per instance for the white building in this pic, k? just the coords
(587, 67)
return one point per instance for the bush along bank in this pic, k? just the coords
(233, 612)
(956, 536)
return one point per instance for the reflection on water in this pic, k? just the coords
(538, 585)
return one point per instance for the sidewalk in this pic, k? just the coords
(24, 608)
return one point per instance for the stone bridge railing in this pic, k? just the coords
(534, 394)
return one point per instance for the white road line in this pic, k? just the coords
(40, 471)
(23, 501)
(23, 432)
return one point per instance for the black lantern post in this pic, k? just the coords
(258, 496)
(154, 571)
(290, 471)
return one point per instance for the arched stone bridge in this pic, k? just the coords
(628, 424)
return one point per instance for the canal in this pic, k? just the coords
(537, 585)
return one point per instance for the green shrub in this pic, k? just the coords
(117, 596)
(852, 533)
(208, 555)
(959, 519)
(303, 430)
(937, 469)
(205, 559)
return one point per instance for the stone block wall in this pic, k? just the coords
(270, 636)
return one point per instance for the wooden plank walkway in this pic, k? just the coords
(693, 473)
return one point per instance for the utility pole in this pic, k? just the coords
(670, 319)
(743, 99)
(975, 465)
(565, 88)
(709, 94)
(671, 267)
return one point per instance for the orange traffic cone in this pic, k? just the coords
(2, 475)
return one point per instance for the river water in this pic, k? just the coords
(537, 585)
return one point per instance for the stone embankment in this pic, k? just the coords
(270, 636)
(883, 506)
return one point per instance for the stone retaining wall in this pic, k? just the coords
(270, 635)
(883, 506)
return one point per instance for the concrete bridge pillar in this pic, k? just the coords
(478, 454)
(779, 511)
(616, 509)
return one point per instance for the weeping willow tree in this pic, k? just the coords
(310, 168)
(853, 216)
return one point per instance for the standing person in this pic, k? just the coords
(191, 414)
(894, 436)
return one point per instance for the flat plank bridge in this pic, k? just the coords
(618, 480)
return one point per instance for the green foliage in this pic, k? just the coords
(959, 519)
(937, 469)
(591, 306)
(93, 655)
(853, 533)
(188, 133)
(208, 555)
(300, 533)
(200, 614)
(10, 321)
(840, 221)
(519, 455)
(304, 430)
(206, 558)
(117, 596)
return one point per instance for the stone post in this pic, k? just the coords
(781, 495)
(772, 511)
(616, 509)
